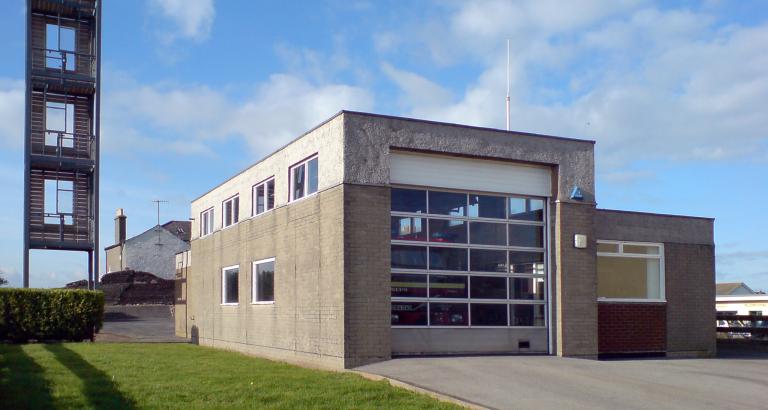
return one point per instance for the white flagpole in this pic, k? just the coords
(507, 107)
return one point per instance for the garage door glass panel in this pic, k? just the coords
(448, 314)
(487, 260)
(454, 259)
(488, 233)
(526, 262)
(409, 286)
(526, 288)
(488, 287)
(484, 206)
(409, 313)
(447, 286)
(409, 257)
(488, 314)
(530, 236)
(408, 228)
(447, 230)
(526, 209)
(409, 200)
(526, 315)
(447, 203)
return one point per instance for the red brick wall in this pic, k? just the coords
(631, 327)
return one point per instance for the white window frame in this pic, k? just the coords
(224, 285)
(210, 215)
(305, 164)
(621, 254)
(254, 282)
(254, 201)
(235, 215)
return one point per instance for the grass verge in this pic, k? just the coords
(125, 375)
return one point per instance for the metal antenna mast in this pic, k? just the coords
(158, 202)
(507, 107)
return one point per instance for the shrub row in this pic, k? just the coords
(50, 314)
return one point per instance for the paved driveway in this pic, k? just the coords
(143, 323)
(545, 382)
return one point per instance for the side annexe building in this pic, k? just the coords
(373, 236)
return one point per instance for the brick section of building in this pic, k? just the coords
(576, 285)
(367, 313)
(631, 327)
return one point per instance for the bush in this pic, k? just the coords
(50, 314)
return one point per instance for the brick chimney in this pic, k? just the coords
(120, 219)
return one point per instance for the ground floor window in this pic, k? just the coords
(463, 259)
(229, 285)
(630, 271)
(264, 281)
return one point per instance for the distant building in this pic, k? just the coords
(733, 289)
(152, 251)
(739, 299)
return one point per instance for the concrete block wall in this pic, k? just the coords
(367, 335)
(690, 288)
(575, 281)
(305, 325)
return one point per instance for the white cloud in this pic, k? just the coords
(643, 82)
(11, 113)
(192, 19)
(422, 96)
(285, 106)
(191, 117)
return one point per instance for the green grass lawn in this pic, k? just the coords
(78, 375)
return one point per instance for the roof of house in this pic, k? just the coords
(181, 229)
(729, 287)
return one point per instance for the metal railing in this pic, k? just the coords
(66, 226)
(67, 144)
(65, 61)
(753, 327)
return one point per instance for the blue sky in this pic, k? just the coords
(193, 91)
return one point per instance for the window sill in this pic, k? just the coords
(628, 300)
(293, 201)
(230, 304)
(264, 303)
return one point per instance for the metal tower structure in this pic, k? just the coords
(61, 167)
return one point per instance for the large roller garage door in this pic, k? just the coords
(469, 255)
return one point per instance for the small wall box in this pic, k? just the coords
(580, 241)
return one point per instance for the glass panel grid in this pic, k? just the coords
(453, 301)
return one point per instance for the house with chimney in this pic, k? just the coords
(153, 250)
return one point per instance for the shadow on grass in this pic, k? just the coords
(22, 381)
(98, 387)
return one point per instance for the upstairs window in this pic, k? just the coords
(60, 47)
(263, 196)
(303, 179)
(231, 211)
(630, 271)
(206, 222)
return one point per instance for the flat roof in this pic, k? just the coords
(655, 214)
(393, 117)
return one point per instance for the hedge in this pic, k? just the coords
(50, 314)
